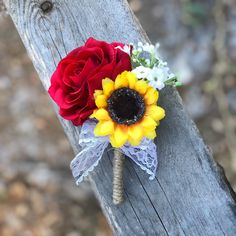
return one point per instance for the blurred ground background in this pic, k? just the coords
(37, 193)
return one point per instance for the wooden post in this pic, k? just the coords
(190, 195)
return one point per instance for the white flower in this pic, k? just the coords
(125, 49)
(142, 72)
(157, 84)
(158, 76)
(151, 67)
(148, 62)
(139, 49)
(157, 45)
(146, 47)
(140, 44)
(156, 51)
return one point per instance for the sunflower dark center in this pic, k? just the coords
(126, 106)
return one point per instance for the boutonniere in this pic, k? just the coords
(111, 90)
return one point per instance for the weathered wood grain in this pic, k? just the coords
(190, 195)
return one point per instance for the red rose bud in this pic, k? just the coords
(81, 72)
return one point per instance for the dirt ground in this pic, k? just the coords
(37, 194)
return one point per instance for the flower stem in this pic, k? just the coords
(118, 163)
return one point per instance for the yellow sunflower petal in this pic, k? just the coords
(92, 115)
(151, 134)
(120, 135)
(113, 141)
(121, 80)
(141, 86)
(97, 92)
(148, 122)
(97, 129)
(101, 101)
(151, 96)
(108, 86)
(134, 142)
(104, 128)
(132, 79)
(135, 132)
(100, 114)
(156, 112)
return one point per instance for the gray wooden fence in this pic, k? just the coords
(190, 195)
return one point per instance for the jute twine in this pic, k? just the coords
(118, 163)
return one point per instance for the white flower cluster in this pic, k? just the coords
(149, 66)
(156, 76)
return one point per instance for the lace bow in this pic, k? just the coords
(144, 155)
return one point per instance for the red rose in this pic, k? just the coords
(80, 73)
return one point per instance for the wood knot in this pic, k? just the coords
(46, 6)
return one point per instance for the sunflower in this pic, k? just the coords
(126, 110)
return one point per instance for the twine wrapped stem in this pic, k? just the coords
(118, 163)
